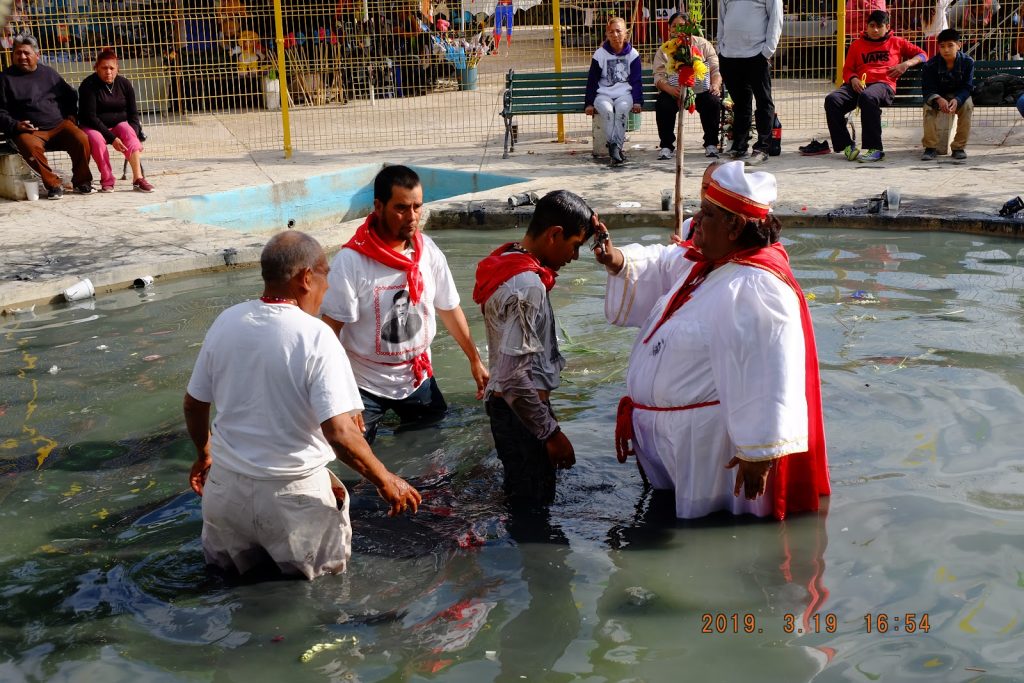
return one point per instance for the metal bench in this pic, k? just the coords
(553, 93)
(908, 87)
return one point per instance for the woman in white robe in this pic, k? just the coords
(718, 379)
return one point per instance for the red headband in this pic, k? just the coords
(736, 203)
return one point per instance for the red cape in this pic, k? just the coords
(798, 480)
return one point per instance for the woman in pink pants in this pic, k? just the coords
(109, 115)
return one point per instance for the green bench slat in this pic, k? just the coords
(908, 87)
(555, 93)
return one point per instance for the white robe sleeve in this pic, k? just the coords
(758, 364)
(648, 273)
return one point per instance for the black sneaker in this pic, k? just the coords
(84, 188)
(735, 154)
(815, 148)
(615, 152)
(54, 192)
(959, 154)
(929, 154)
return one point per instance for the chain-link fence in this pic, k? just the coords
(222, 76)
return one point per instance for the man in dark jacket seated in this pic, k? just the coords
(38, 112)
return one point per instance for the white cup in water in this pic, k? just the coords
(143, 282)
(82, 289)
(31, 189)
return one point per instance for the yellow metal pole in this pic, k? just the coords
(840, 42)
(556, 25)
(282, 74)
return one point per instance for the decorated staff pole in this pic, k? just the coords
(679, 164)
(686, 60)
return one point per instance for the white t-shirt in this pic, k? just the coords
(274, 374)
(382, 332)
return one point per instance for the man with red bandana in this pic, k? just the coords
(512, 286)
(387, 284)
(724, 373)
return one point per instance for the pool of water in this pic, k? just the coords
(101, 571)
(329, 198)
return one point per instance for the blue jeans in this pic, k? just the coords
(1020, 105)
(421, 408)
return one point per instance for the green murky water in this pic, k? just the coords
(101, 574)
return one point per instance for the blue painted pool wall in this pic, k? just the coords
(333, 197)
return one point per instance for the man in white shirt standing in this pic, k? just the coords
(385, 279)
(748, 35)
(285, 398)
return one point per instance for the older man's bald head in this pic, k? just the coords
(287, 254)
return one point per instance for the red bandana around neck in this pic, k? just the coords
(504, 263)
(798, 479)
(367, 242)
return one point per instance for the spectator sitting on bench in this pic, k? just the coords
(873, 63)
(946, 83)
(110, 116)
(708, 100)
(38, 110)
(614, 86)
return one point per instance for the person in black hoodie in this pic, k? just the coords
(38, 112)
(110, 116)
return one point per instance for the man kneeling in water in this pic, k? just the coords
(285, 397)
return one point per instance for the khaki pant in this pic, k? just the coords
(294, 522)
(937, 127)
(65, 137)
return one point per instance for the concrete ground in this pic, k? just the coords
(49, 245)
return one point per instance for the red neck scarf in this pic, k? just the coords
(503, 263)
(798, 479)
(368, 243)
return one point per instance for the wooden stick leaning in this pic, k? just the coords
(679, 164)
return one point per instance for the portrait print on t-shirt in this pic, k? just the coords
(617, 70)
(402, 324)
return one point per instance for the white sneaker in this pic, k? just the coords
(666, 153)
(711, 152)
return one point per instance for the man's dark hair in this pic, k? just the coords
(760, 233)
(393, 176)
(948, 34)
(400, 294)
(563, 208)
(287, 254)
(879, 16)
(106, 54)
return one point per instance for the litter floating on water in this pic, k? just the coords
(102, 347)
(638, 595)
(862, 297)
(155, 356)
(627, 205)
(321, 647)
(53, 370)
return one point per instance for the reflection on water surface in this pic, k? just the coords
(101, 574)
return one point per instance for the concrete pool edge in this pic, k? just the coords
(482, 214)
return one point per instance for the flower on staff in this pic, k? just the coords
(686, 59)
